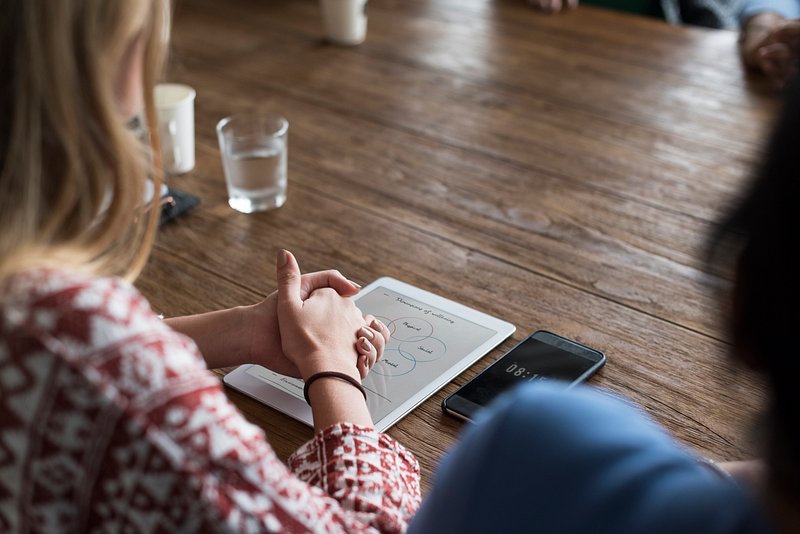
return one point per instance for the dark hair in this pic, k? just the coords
(765, 227)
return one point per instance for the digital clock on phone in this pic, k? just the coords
(541, 356)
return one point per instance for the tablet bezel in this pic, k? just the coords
(290, 405)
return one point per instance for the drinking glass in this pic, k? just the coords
(254, 154)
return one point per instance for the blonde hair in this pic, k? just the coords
(72, 175)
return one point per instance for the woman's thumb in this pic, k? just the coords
(288, 275)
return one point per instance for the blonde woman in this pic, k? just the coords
(108, 417)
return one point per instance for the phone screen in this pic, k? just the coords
(542, 356)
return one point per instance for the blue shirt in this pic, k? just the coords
(542, 459)
(788, 9)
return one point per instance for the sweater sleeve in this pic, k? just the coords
(348, 478)
(169, 452)
(367, 472)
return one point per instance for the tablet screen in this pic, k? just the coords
(425, 343)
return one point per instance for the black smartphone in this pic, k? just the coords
(541, 356)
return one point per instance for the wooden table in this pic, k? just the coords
(559, 172)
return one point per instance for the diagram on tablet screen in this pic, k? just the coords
(424, 343)
(412, 342)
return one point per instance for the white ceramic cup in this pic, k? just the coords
(344, 21)
(175, 109)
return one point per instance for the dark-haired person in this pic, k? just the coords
(546, 460)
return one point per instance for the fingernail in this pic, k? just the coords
(283, 257)
(377, 325)
(366, 332)
(355, 285)
(366, 345)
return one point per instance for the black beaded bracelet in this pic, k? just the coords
(332, 374)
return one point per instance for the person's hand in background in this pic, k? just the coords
(553, 6)
(770, 44)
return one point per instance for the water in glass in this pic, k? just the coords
(256, 178)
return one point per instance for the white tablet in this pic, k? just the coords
(433, 340)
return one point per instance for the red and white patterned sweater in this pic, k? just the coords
(109, 421)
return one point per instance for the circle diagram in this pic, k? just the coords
(423, 349)
(408, 328)
(394, 363)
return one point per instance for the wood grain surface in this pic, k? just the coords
(559, 172)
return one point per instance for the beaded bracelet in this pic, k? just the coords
(332, 374)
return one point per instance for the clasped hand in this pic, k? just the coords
(310, 324)
(772, 45)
